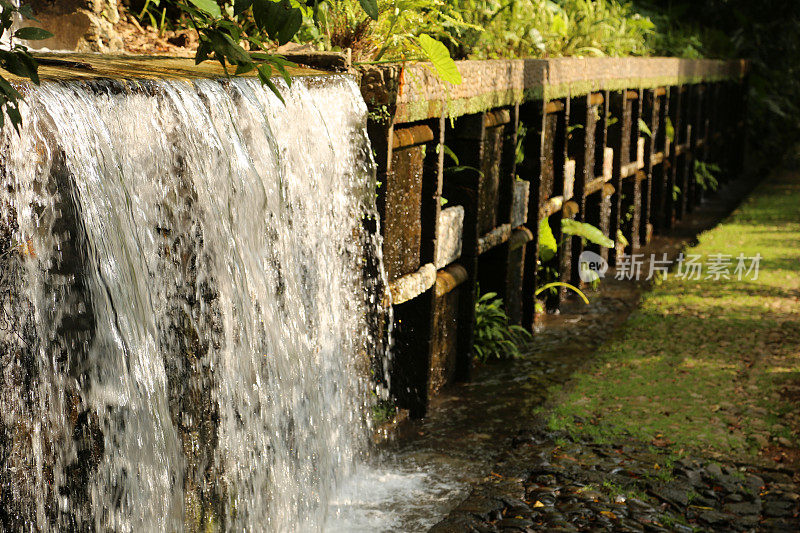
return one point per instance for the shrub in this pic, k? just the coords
(495, 338)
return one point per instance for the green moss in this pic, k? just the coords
(702, 363)
(423, 108)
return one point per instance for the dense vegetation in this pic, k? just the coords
(765, 33)
(245, 34)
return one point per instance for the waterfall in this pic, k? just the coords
(187, 322)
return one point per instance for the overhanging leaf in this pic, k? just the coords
(27, 12)
(225, 47)
(279, 19)
(265, 75)
(547, 241)
(8, 90)
(573, 288)
(13, 63)
(370, 8)
(644, 129)
(585, 231)
(669, 129)
(240, 6)
(437, 54)
(208, 6)
(32, 34)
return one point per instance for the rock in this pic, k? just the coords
(520, 523)
(743, 508)
(777, 509)
(480, 506)
(591, 495)
(675, 497)
(754, 483)
(714, 517)
(778, 525)
(455, 524)
(734, 498)
(629, 525)
(79, 25)
(714, 470)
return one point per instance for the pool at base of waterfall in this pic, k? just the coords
(392, 497)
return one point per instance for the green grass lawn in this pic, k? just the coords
(709, 365)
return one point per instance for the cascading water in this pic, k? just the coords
(186, 319)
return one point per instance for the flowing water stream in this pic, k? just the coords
(189, 303)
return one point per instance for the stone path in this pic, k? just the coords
(548, 483)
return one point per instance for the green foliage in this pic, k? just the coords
(383, 411)
(156, 14)
(704, 175)
(547, 241)
(208, 6)
(763, 33)
(669, 130)
(224, 34)
(16, 59)
(548, 249)
(495, 338)
(370, 8)
(545, 28)
(554, 284)
(585, 231)
(643, 128)
(621, 238)
(437, 54)
(400, 30)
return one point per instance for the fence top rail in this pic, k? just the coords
(76, 67)
(416, 93)
(412, 92)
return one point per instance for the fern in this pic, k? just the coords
(495, 338)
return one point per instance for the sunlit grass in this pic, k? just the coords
(702, 362)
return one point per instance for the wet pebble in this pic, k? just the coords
(569, 488)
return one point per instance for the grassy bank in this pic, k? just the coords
(710, 366)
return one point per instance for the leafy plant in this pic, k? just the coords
(16, 59)
(155, 13)
(554, 284)
(586, 231)
(704, 175)
(495, 338)
(456, 167)
(254, 23)
(401, 30)
(644, 128)
(544, 28)
(669, 130)
(383, 411)
(548, 247)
